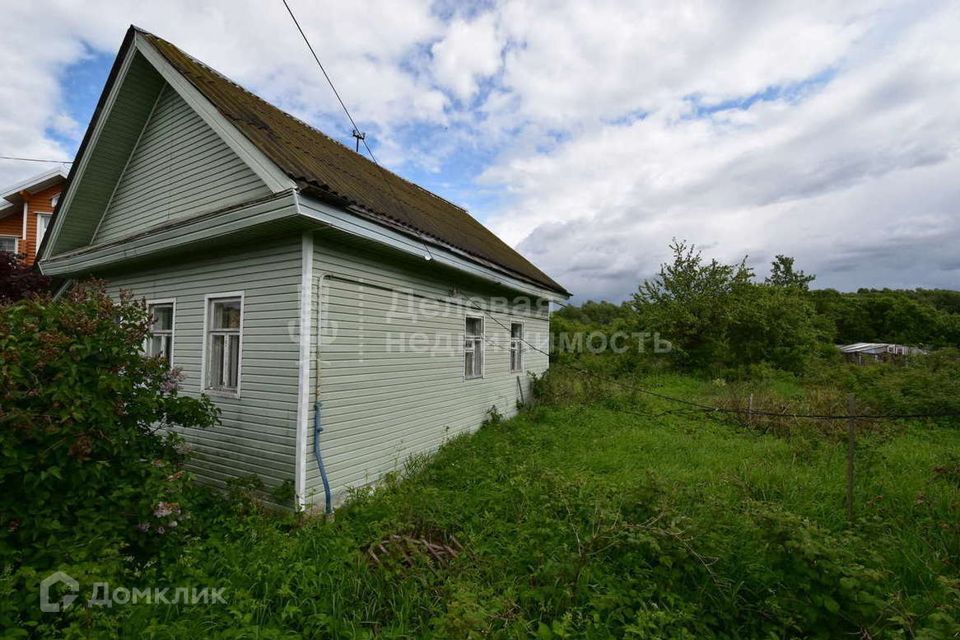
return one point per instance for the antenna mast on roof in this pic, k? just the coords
(359, 135)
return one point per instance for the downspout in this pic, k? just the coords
(317, 430)
(317, 404)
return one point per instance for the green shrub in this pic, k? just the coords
(771, 325)
(716, 315)
(922, 384)
(690, 303)
(913, 317)
(87, 468)
(19, 280)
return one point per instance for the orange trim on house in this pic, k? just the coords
(37, 204)
(40, 203)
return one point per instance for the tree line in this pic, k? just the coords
(721, 315)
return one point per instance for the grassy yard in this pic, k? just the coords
(606, 520)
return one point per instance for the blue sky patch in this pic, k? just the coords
(791, 93)
(81, 84)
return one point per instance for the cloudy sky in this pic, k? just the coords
(587, 134)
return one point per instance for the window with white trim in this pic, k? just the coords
(473, 348)
(43, 223)
(223, 344)
(160, 340)
(8, 243)
(516, 346)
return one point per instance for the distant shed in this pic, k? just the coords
(862, 352)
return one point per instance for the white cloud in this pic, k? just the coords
(469, 52)
(364, 45)
(598, 130)
(577, 61)
(815, 175)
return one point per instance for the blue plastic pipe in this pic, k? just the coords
(317, 430)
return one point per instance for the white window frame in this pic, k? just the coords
(482, 342)
(520, 350)
(208, 299)
(173, 322)
(40, 214)
(16, 241)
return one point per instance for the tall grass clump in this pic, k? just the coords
(596, 517)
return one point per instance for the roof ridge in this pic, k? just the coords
(26, 183)
(315, 160)
(239, 86)
(286, 113)
(306, 124)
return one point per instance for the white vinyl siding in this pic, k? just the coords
(179, 168)
(391, 364)
(258, 429)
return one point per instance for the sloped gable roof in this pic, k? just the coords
(10, 195)
(323, 167)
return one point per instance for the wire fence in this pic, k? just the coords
(706, 408)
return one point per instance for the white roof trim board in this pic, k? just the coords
(32, 185)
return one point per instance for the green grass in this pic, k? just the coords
(606, 520)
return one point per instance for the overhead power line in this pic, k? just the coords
(322, 69)
(360, 136)
(694, 406)
(35, 160)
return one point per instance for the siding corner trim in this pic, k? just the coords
(303, 398)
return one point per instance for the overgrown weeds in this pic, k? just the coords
(598, 513)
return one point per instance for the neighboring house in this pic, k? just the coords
(288, 274)
(25, 212)
(861, 352)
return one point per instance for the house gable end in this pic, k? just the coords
(130, 103)
(155, 151)
(179, 168)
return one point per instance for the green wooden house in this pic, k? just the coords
(342, 318)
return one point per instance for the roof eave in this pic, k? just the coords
(373, 228)
(427, 239)
(176, 235)
(33, 184)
